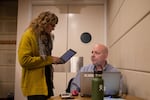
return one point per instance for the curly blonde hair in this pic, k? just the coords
(40, 23)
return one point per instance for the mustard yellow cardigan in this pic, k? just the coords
(33, 66)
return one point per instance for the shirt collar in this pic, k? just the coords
(104, 68)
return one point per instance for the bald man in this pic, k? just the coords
(99, 56)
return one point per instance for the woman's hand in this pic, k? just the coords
(57, 60)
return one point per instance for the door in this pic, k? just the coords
(73, 21)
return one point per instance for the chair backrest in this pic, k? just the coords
(69, 84)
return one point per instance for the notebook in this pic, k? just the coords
(67, 55)
(111, 83)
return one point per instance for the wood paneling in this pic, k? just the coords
(4, 42)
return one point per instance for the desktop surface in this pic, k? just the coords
(125, 97)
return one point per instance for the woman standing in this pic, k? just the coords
(34, 54)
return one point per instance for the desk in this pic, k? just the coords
(88, 98)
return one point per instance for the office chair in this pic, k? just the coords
(69, 84)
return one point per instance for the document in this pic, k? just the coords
(109, 98)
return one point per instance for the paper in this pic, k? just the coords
(108, 98)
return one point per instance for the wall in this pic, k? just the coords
(8, 31)
(128, 41)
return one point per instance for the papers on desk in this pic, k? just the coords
(108, 98)
(66, 96)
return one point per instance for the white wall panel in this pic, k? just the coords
(113, 8)
(85, 19)
(128, 15)
(138, 83)
(114, 31)
(115, 56)
(131, 12)
(59, 83)
(133, 48)
(129, 44)
(24, 18)
(136, 43)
